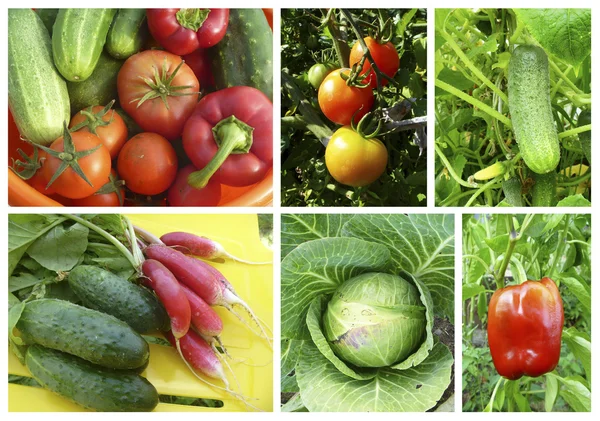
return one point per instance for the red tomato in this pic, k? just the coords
(147, 74)
(199, 62)
(112, 193)
(182, 194)
(182, 31)
(384, 55)
(110, 127)
(353, 160)
(95, 166)
(148, 164)
(339, 102)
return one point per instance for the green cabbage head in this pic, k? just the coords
(375, 320)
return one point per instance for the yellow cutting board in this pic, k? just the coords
(253, 358)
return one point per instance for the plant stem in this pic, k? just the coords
(341, 47)
(564, 77)
(451, 170)
(562, 243)
(482, 189)
(576, 181)
(575, 131)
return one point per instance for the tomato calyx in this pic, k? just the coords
(354, 78)
(69, 157)
(368, 121)
(114, 185)
(93, 121)
(28, 167)
(232, 136)
(160, 86)
(192, 18)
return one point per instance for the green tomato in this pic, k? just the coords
(318, 72)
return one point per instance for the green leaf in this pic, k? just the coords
(299, 228)
(325, 389)
(290, 351)
(318, 267)
(564, 33)
(60, 249)
(576, 200)
(454, 78)
(580, 290)
(471, 290)
(580, 345)
(295, 404)
(551, 393)
(576, 394)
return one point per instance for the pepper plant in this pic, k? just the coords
(526, 312)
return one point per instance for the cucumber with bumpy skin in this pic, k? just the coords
(531, 110)
(543, 192)
(104, 291)
(88, 334)
(512, 191)
(78, 38)
(585, 138)
(127, 34)
(89, 385)
(244, 57)
(37, 94)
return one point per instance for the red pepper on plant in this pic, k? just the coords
(230, 133)
(182, 31)
(524, 328)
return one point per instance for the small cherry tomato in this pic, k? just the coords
(318, 72)
(353, 160)
(339, 102)
(385, 57)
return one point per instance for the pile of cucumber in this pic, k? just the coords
(94, 355)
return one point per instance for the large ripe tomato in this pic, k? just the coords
(182, 194)
(112, 193)
(353, 160)
(109, 127)
(384, 55)
(148, 164)
(154, 100)
(339, 102)
(95, 166)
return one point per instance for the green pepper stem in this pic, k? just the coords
(231, 136)
(192, 18)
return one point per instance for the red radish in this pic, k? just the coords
(204, 319)
(201, 247)
(194, 274)
(170, 294)
(200, 355)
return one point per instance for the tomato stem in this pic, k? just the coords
(93, 121)
(192, 18)
(160, 86)
(232, 136)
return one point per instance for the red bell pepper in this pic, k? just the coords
(230, 133)
(199, 62)
(182, 31)
(524, 328)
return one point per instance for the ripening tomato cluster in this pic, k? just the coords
(350, 158)
(188, 146)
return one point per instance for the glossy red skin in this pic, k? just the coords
(199, 62)
(524, 328)
(384, 55)
(102, 200)
(170, 294)
(204, 319)
(176, 39)
(339, 102)
(198, 353)
(192, 244)
(182, 194)
(189, 272)
(113, 136)
(152, 115)
(250, 106)
(148, 164)
(95, 166)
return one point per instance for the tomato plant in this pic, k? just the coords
(148, 164)
(159, 91)
(397, 108)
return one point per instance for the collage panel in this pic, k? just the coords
(526, 312)
(513, 107)
(140, 107)
(111, 312)
(353, 107)
(367, 312)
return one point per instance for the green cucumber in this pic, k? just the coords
(89, 334)
(37, 94)
(104, 291)
(531, 110)
(88, 385)
(543, 192)
(585, 138)
(512, 191)
(78, 38)
(100, 88)
(127, 34)
(48, 16)
(244, 57)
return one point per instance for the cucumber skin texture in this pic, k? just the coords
(78, 38)
(543, 192)
(89, 334)
(531, 110)
(127, 34)
(512, 191)
(89, 385)
(37, 93)
(585, 138)
(244, 57)
(100, 88)
(104, 291)
(48, 16)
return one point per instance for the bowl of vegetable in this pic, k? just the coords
(140, 117)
